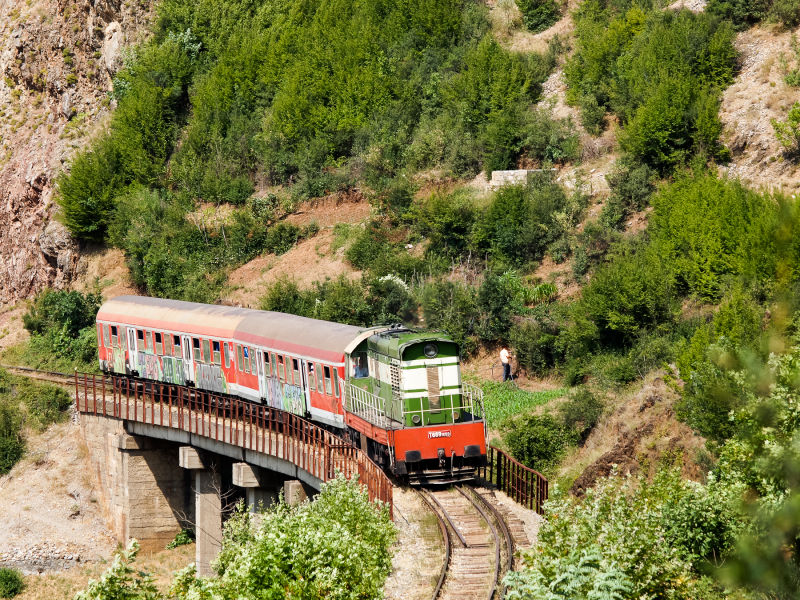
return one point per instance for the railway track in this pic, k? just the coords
(479, 545)
(65, 379)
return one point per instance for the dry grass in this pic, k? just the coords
(67, 583)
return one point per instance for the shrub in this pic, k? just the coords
(534, 342)
(581, 412)
(54, 309)
(538, 441)
(625, 539)
(447, 221)
(12, 444)
(742, 13)
(630, 294)
(370, 246)
(451, 307)
(281, 237)
(632, 184)
(183, 537)
(11, 582)
(520, 223)
(788, 131)
(710, 230)
(539, 14)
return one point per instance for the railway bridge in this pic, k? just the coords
(168, 455)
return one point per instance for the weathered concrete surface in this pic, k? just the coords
(142, 488)
(208, 511)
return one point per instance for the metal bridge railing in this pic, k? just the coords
(521, 483)
(233, 421)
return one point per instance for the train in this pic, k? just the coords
(395, 392)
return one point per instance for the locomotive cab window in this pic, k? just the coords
(159, 344)
(216, 356)
(196, 349)
(359, 365)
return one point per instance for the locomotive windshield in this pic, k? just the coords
(359, 365)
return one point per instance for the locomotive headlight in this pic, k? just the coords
(431, 350)
(416, 420)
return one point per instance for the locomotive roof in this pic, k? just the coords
(301, 335)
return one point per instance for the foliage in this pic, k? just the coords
(658, 71)
(503, 400)
(538, 14)
(788, 131)
(121, 580)
(522, 221)
(11, 582)
(62, 327)
(628, 295)
(446, 219)
(451, 307)
(581, 411)
(12, 443)
(538, 441)
(631, 184)
(709, 229)
(625, 540)
(183, 537)
(742, 13)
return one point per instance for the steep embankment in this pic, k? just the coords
(57, 61)
(758, 95)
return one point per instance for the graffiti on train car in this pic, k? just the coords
(210, 377)
(118, 359)
(173, 370)
(149, 366)
(285, 396)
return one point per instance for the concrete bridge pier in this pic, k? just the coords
(258, 491)
(208, 508)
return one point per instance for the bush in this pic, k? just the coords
(57, 309)
(534, 342)
(281, 238)
(632, 184)
(452, 307)
(12, 444)
(539, 14)
(667, 113)
(628, 539)
(742, 13)
(183, 538)
(788, 131)
(630, 294)
(11, 582)
(520, 223)
(538, 441)
(447, 221)
(581, 412)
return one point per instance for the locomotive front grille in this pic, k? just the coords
(433, 388)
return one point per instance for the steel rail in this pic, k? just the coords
(447, 545)
(479, 508)
(506, 534)
(449, 520)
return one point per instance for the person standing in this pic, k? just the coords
(505, 360)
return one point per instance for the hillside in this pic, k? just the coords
(335, 160)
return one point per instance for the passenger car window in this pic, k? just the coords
(159, 344)
(328, 384)
(196, 349)
(216, 356)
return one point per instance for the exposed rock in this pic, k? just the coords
(51, 71)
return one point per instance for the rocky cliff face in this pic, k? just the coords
(57, 62)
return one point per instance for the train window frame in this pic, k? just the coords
(274, 361)
(99, 335)
(177, 350)
(158, 340)
(140, 345)
(240, 358)
(227, 354)
(320, 382)
(326, 371)
(253, 361)
(196, 349)
(312, 376)
(246, 354)
(148, 341)
(267, 365)
(281, 367)
(335, 382)
(106, 337)
(296, 371)
(114, 337)
(206, 356)
(216, 352)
